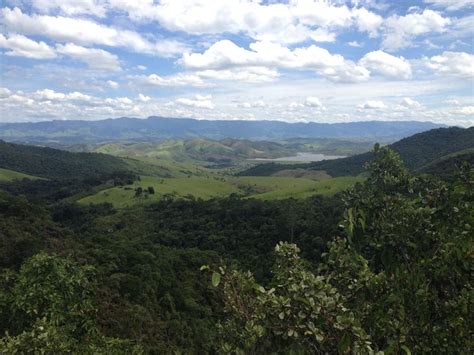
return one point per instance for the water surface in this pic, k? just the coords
(303, 157)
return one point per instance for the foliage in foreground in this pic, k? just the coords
(398, 281)
(50, 304)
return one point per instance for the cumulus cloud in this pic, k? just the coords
(93, 57)
(354, 44)
(21, 46)
(372, 105)
(290, 22)
(410, 103)
(400, 30)
(226, 54)
(4, 92)
(254, 104)
(459, 64)
(180, 79)
(388, 65)
(312, 101)
(85, 32)
(51, 95)
(143, 98)
(113, 84)
(451, 5)
(71, 7)
(199, 101)
(465, 111)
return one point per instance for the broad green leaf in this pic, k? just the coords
(216, 279)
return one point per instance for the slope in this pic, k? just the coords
(57, 164)
(416, 151)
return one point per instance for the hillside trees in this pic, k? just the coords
(399, 279)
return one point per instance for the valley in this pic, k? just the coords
(158, 220)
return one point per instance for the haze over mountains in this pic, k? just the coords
(159, 128)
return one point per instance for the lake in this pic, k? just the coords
(303, 157)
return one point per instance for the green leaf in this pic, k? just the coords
(405, 349)
(344, 344)
(204, 267)
(216, 279)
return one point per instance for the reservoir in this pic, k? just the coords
(303, 157)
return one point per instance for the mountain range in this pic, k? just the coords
(160, 128)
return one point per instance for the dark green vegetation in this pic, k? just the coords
(418, 152)
(398, 280)
(160, 128)
(385, 266)
(53, 163)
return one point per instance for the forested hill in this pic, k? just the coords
(158, 128)
(57, 164)
(417, 151)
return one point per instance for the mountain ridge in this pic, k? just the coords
(159, 128)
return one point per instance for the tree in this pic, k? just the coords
(300, 312)
(52, 303)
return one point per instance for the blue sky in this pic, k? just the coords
(295, 60)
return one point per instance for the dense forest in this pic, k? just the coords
(385, 266)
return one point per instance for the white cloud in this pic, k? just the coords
(385, 64)
(312, 101)
(451, 5)
(459, 64)
(254, 104)
(295, 105)
(84, 32)
(245, 74)
(21, 46)
(4, 92)
(71, 7)
(180, 79)
(367, 21)
(400, 30)
(410, 103)
(93, 57)
(465, 111)
(51, 95)
(143, 98)
(199, 101)
(290, 22)
(141, 67)
(454, 102)
(354, 44)
(113, 84)
(372, 105)
(226, 54)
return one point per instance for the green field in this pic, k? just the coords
(10, 175)
(266, 188)
(199, 187)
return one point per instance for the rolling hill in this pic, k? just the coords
(160, 128)
(417, 151)
(57, 164)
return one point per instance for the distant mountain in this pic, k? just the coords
(57, 164)
(421, 150)
(159, 128)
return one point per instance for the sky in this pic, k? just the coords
(294, 60)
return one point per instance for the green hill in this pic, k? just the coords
(57, 164)
(10, 175)
(416, 151)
